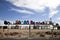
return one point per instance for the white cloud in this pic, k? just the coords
(58, 18)
(37, 5)
(22, 11)
(27, 16)
(52, 13)
(44, 14)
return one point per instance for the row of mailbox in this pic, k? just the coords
(31, 22)
(27, 22)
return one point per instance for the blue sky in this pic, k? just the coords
(36, 10)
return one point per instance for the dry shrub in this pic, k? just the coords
(42, 35)
(14, 33)
(6, 34)
(56, 33)
(48, 33)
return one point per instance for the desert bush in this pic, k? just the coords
(42, 35)
(48, 33)
(6, 34)
(11, 34)
(14, 33)
(56, 33)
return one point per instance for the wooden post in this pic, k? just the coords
(29, 31)
(52, 31)
(8, 30)
(2, 32)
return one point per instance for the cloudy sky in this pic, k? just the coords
(36, 10)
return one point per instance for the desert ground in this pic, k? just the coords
(34, 33)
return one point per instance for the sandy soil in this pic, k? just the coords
(17, 33)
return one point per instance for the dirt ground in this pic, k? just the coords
(17, 33)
